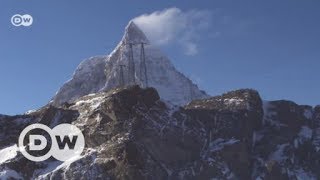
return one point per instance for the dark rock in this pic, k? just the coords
(131, 134)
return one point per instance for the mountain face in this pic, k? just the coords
(132, 108)
(131, 133)
(134, 61)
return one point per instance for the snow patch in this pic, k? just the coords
(55, 166)
(233, 101)
(94, 103)
(308, 114)
(8, 153)
(305, 132)
(279, 155)
(219, 143)
(304, 135)
(30, 111)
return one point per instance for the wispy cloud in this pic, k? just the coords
(176, 26)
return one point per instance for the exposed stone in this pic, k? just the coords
(131, 134)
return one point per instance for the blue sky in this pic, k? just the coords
(272, 46)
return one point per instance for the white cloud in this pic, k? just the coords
(176, 26)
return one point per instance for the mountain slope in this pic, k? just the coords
(131, 134)
(158, 72)
(88, 78)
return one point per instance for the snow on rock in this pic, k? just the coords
(220, 143)
(305, 132)
(30, 111)
(301, 174)
(8, 153)
(54, 166)
(316, 139)
(233, 101)
(172, 85)
(180, 142)
(308, 114)
(88, 78)
(72, 164)
(94, 102)
(103, 73)
(279, 154)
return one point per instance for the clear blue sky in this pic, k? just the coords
(272, 46)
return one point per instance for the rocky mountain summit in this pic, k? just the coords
(134, 61)
(131, 133)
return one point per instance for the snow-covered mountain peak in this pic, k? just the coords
(135, 61)
(133, 34)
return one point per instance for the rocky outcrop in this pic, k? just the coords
(131, 134)
(284, 142)
(230, 121)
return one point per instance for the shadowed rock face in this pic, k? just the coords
(131, 134)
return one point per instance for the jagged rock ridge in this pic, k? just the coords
(131, 134)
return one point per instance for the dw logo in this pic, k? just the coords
(24, 20)
(62, 142)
